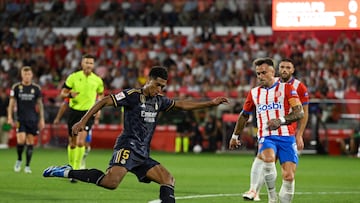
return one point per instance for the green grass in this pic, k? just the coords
(200, 178)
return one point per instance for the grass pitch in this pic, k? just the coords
(200, 178)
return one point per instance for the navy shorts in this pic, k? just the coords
(29, 127)
(138, 165)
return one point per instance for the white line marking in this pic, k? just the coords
(231, 195)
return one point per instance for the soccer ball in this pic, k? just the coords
(197, 149)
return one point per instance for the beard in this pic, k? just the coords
(285, 77)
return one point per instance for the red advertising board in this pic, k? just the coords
(315, 15)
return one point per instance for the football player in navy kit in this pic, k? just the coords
(26, 95)
(132, 147)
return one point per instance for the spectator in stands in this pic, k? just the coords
(102, 11)
(213, 132)
(132, 148)
(350, 146)
(69, 13)
(26, 96)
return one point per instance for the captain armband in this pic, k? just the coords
(282, 120)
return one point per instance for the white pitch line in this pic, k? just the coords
(230, 195)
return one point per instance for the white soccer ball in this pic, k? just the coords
(197, 149)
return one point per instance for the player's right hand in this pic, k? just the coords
(77, 127)
(234, 143)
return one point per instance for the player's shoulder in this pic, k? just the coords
(96, 76)
(15, 85)
(300, 84)
(78, 72)
(74, 75)
(133, 91)
(36, 85)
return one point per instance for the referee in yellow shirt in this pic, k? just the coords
(82, 87)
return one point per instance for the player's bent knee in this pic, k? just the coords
(109, 183)
(288, 176)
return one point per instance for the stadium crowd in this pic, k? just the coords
(198, 63)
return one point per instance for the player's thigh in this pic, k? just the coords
(267, 149)
(21, 137)
(160, 175)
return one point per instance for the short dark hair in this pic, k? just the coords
(287, 60)
(158, 71)
(260, 61)
(88, 56)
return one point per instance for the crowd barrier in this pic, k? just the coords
(104, 137)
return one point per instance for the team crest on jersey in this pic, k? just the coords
(120, 96)
(277, 94)
(293, 92)
(123, 161)
(32, 91)
(156, 106)
(21, 88)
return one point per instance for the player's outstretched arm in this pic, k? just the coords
(191, 105)
(79, 126)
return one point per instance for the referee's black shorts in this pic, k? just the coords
(75, 116)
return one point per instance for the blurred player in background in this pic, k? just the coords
(63, 107)
(82, 88)
(5, 127)
(286, 72)
(277, 108)
(132, 148)
(27, 97)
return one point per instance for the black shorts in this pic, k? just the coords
(29, 127)
(75, 116)
(134, 163)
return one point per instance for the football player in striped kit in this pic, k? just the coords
(278, 107)
(286, 72)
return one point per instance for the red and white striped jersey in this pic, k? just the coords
(271, 103)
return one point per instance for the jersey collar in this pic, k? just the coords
(275, 84)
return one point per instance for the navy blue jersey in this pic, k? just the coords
(140, 118)
(26, 97)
